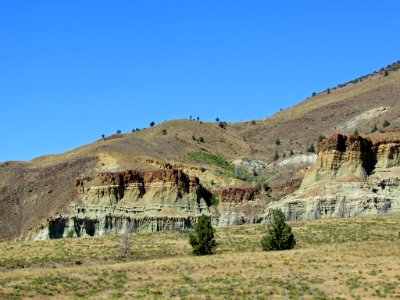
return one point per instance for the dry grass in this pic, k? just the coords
(334, 259)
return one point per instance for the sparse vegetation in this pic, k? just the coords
(202, 238)
(69, 233)
(277, 142)
(386, 123)
(253, 122)
(163, 131)
(276, 156)
(214, 198)
(356, 132)
(279, 234)
(162, 264)
(212, 159)
(374, 129)
(222, 124)
(311, 149)
(321, 138)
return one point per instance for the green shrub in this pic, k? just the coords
(311, 149)
(356, 132)
(214, 199)
(321, 138)
(386, 123)
(278, 142)
(202, 239)
(222, 124)
(212, 159)
(69, 233)
(279, 234)
(374, 129)
(276, 156)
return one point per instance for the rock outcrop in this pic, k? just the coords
(113, 202)
(352, 176)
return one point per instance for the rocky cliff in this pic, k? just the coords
(352, 176)
(113, 202)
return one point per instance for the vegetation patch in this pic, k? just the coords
(212, 159)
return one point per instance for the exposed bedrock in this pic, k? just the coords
(138, 200)
(109, 224)
(352, 176)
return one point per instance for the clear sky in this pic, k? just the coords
(72, 70)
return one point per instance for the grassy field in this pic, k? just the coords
(355, 258)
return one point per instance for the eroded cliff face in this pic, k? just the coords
(341, 156)
(113, 202)
(352, 176)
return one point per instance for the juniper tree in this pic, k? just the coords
(202, 239)
(279, 234)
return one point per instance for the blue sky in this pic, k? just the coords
(72, 70)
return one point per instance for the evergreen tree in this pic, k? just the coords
(276, 156)
(202, 239)
(279, 234)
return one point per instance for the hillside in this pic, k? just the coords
(241, 155)
(161, 266)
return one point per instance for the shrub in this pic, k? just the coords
(356, 132)
(152, 123)
(193, 137)
(200, 139)
(311, 149)
(217, 119)
(69, 233)
(118, 131)
(222, 124)
(278, 142)
(164, 131)
(276, 156)
(321, 138)
(386, 123)
(374, 129)
(279, 234)
(253, 122)
(214, 199)
(202, 239)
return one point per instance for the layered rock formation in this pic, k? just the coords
(113, 202)
(352, 176)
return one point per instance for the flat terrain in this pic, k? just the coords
(351, 258)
